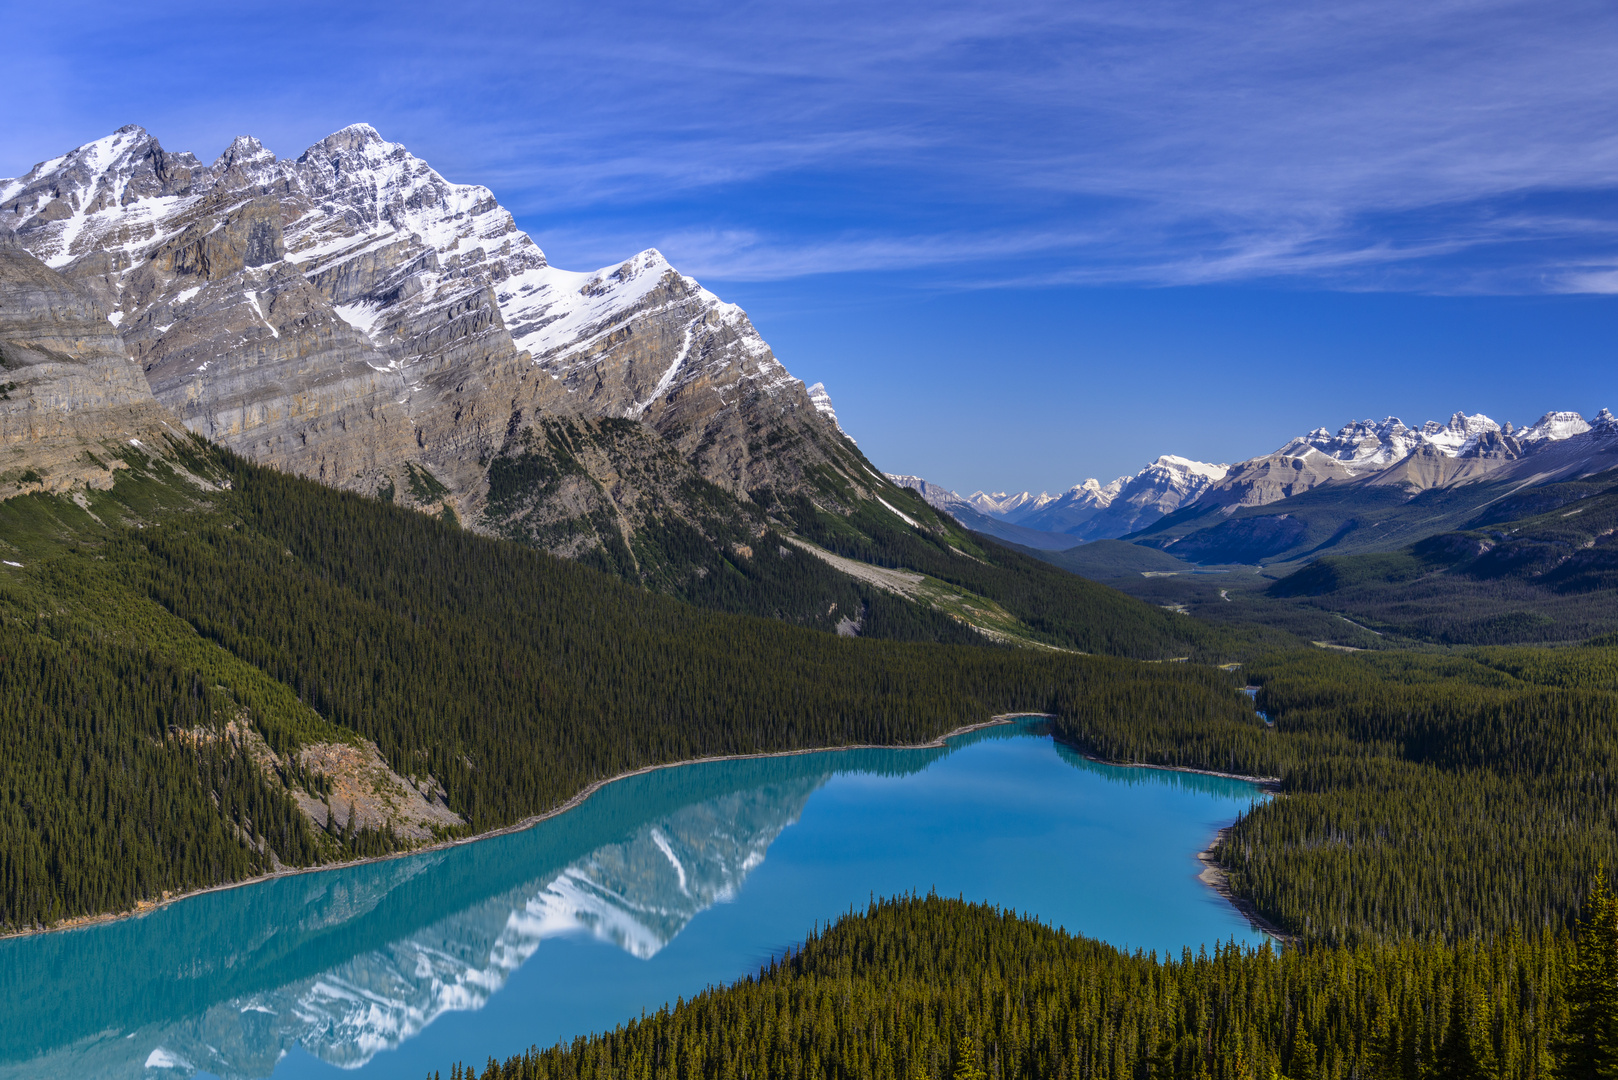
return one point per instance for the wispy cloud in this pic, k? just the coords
(743, 255)
(1451, 146)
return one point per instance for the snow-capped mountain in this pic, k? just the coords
(1091, 510)
(1553, 427)
(964, 512)
(1004, 505)
(1082, 499)
(1365, 445)
(1360, 444)
(352, 315)
(1391, 453)
(1093, 493)
(939, 498)
(1086, 511)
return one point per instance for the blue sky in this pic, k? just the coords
(1023, 243)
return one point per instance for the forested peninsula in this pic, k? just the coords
(917, 988)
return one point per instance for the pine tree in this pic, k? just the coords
(1305, 1058)
(1465, 1053)
(966, 1061)
(1589, 1047)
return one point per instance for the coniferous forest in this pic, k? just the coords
(1443, 795)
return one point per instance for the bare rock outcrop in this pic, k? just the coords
(71, 400)
(1264, 480)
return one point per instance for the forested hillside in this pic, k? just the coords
(929, 989)
(158, 630)
(1061, 608)
(1435, 795)
(1540, 565)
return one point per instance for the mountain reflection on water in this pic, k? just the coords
(350, 962)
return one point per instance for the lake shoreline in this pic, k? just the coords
(1213, 875)
(1270, 784)
(1216, 878)
(145, 908)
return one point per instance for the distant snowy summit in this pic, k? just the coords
(1085, 511)
(1387, 451)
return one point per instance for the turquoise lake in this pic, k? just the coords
(656, 887)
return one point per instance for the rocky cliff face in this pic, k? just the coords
(72, 403)
(352, 316)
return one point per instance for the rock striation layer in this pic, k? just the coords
(71, 400)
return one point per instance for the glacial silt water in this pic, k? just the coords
(656, 887)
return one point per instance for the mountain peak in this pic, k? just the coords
(244, 150)
(1554, 426)
(1100, 494)
(355, 138)
(1173, 463)
(650, 260)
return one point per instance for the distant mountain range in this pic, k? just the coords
(1365, 454)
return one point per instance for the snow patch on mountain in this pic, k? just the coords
(361, 316)
(822, 403)
(554, 313)
(1461, 434)
(1179, 470)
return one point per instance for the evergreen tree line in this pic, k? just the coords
(934, 989)
(1433, 795)
(779, 581)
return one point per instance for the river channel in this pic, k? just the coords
(656, 887)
